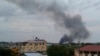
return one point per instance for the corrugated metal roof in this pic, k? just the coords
(33, 54)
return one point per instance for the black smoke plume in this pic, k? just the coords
(66, 39)
(56, 9)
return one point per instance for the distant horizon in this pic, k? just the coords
(53, 42)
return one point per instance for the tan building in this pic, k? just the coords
(36, 45)
(88, 50)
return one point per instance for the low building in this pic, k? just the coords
(36, 45)
(88, 50)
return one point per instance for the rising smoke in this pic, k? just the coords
(65, 39)
(56, 9)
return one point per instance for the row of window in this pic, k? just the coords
(35, 44)
(32, 47)
(92, 53)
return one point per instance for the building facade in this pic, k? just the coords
(36, 45)
(88, 50)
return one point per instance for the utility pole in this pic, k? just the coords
(79, 46)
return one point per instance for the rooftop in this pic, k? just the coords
(36, 41)
(90, 48)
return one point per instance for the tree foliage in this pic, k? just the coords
(5, 52)
(60, 50)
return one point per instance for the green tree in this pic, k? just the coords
(60, 50)
(70, 50)
(5, 52)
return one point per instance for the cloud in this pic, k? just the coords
(94, 28)
(9, 9)
(21, 22)
(83, 5)
(24, 24)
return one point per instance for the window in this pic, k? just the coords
(36, 44)
(80, 52)
(93, 53)
(31, 48)
(98, 53)
(43, 43)
(86, 53)
(40, 43)
(30, 44)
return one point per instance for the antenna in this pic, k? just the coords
(79, 42)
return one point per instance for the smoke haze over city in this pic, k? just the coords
(51, 20)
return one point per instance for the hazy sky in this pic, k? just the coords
(21, 24)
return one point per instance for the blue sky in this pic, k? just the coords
(19, 24)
